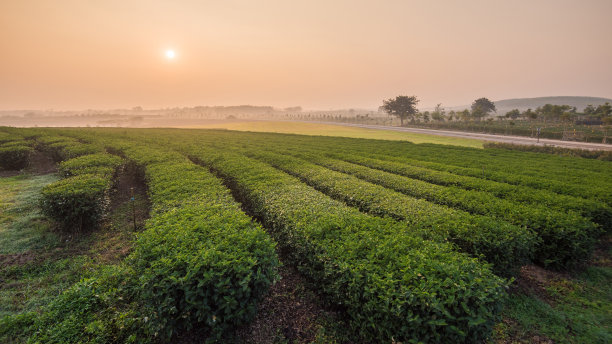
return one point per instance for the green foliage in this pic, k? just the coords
(507, 247)
(402, 106)
(393, 283)
(201, 261)
(481, 107)
(67, 150)
(15, 157)
(77, 203)
(95, 310)
(100, 163)
(582, 153)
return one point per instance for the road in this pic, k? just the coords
(520, 140)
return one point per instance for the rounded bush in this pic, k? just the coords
(76, 203)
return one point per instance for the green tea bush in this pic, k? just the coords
(393, 284)
(582, 153)
(99, 163)
(61, 151)
(77, 203)
(8, 137)
(201, 261)
(507, 247)
(15, 157)
(99, 309)
(569, 237)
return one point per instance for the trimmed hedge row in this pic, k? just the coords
(506, 246)
(8, 136)
(15, 156)
(393, 284)
(564, 239)
(79, 202)
(598, 212)
(570, 185)
(15, 151)
(99, 163)
(573, 152)
(201, 260)
(567, 176)
(520, 168)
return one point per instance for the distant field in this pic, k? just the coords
(336, 130)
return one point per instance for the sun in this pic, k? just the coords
(170, 54)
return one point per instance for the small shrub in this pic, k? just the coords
(15, 157)
(76, 203)
(101, 163)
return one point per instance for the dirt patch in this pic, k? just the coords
(41, 163)
(288, 314)
(601, 255)
(529, 338)
(533, 280)
(291, 313)
(9, 173)
(128, 211)
(7, 260)
(131, 187)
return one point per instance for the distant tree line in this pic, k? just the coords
(404, 107)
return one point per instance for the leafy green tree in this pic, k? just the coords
(529, 114)
(464, 115)
(438, 113)
(589, 110)
(403, 107)
(513, 114)
(482, 107)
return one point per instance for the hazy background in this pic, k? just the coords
(75, 54)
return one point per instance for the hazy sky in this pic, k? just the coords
(77, 54)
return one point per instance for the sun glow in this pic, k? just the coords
(170, 54)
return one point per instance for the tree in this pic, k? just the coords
(482, 107)
(438, 114)
(403, 107)
(529, 114)
(513, 114)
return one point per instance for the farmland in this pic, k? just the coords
(404, 242)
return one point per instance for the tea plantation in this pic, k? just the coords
(411, 243)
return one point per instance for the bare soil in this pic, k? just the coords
(290, 313)
(533, 280)
(41, 163)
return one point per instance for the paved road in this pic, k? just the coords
(521, 140)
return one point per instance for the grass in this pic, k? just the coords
(22, 227)
(570, 308)
(303, 128)
(37, 264)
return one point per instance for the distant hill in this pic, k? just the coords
(522, 104)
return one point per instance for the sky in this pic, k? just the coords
(318, 54)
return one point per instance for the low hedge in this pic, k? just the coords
(100, 163)
(15, 157)
(394, 285)
(76, 203)
(201, 261)
(65, 150)
(565, 239)
(505, 246)
(574, 152)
